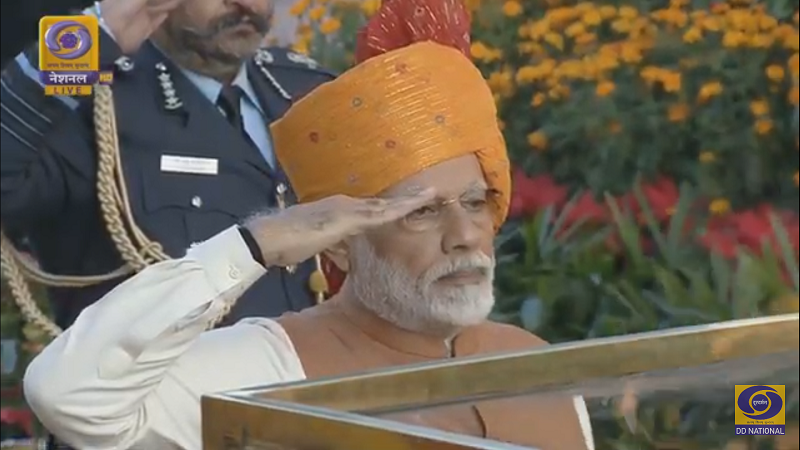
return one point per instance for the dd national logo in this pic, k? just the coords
(69, 57)
(760, 410)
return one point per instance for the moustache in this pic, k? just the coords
(478, 262)
(259, 22)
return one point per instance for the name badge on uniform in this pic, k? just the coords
(189, 164)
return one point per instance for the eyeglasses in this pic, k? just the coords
(476, 205)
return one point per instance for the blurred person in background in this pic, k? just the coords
(195, 92)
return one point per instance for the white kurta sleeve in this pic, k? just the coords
(134, 365)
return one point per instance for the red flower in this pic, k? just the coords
(588, 209)
(662, 196)
(750, 229)
(755, 227)
(720, 237)
(531, 194)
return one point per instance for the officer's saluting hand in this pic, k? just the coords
(133, 21)
(194, 93)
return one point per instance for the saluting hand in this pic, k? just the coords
(301, 231)
(133, 21)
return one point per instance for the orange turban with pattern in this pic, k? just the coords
(413, 100)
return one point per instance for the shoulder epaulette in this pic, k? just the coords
(281, 57)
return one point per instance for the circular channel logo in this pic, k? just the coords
(68, 40)
(759, 402)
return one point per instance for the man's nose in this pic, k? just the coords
(461, 233)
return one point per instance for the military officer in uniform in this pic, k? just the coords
(194, 93)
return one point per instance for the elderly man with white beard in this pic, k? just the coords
(403, 180)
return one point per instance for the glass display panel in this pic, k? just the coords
(680, 409)
(666, 390)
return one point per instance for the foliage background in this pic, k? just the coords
(656, 172)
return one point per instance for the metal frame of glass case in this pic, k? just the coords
(337, 413)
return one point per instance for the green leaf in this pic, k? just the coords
(652, 224)
(721, 275)
(787, 252)
(628, 231)
(678, 220)
(747, 291)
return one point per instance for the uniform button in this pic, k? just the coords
(124, 64)
(197, 202)
(234, 273)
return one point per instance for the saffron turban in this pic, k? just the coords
(413, 100)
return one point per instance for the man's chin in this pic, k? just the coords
(240, 46)
(465, 307)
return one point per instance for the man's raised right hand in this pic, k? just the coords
(133, 21)
(301, 231)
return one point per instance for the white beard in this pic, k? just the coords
(416, 304)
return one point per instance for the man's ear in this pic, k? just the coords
(339, 254)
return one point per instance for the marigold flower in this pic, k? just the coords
(763, 126)
(734, 39)
(330, 25)
(671, 16)
(720, 7)
(651, 74)
(709, 90)
(628, 12)
(592, 17)
(482, 52)
(555, 39)
(298, 8)
(576, 29)
(759, 108)
(528, 74)
(585, 39)
(760, 40)
(630, 53)
(370, 7)
(608, 11)
(300, 46)
(791, 41)
(501, 83)
(538, 140)
(775, 72)
(671, 81)
(605, 88)
(719, 206)
(707, 157)
(767, 22)
(693, 35)
(711, 24)
(678, 112)
(794, 95)
(316, 13)
(512, 8)
(538, 99)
